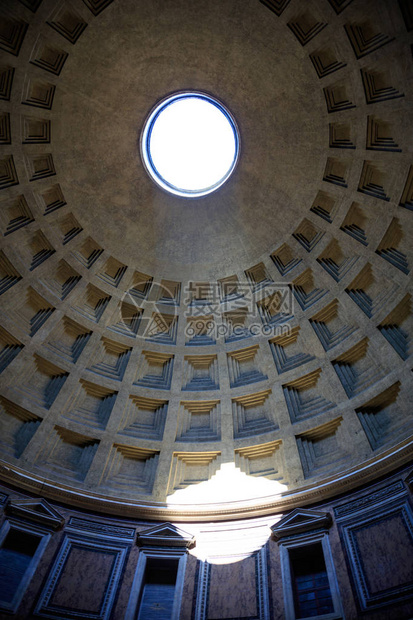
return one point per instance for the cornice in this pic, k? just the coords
(321, 490)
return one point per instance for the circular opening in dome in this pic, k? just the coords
(190, 144)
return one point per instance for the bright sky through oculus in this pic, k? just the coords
(190, 144)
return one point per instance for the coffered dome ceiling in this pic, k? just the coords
(124, 384)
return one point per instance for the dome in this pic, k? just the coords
(228, 355)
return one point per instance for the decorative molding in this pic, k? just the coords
(336, 171)
(383, 419)
(260, 460)
(244, 367)
(335, 262)
(324, 205)
(372, 500)
(305, 290)
(72, 543)
(126, 320)
(325, 62)
(112, 272)
(396, 327)
(100, 529)
(199, 420)
(109, 359)
(37, 250)
(406, 199)
(67, 455)
(8, 174)
(284, 259)
(368, 597)
(199, 329)
(67, 22)
(10, 347)
(379, 136)
(323, 448)
(258, 277)
(365, 39)
(204, 580)
(357, 369)
(229, 289)
(165, 535)
(354, 224)
(371, 291)
(377, 86)
(35, 130)
(409, 481)
(339, 5)
(283, 345)
(68, 227)
(144, 418)
(8, 273)
(200, 373)
(88, 253)
(33, 5)
(12, 34)
(168, 292)
(18, 428)
(189, 468)
(305, 27)
(162, 328)
(6, 82)
(97, 6)
(141, 285)
(373, 181)
(5, 133)
(93, 303)
(38, 93)
(261, 587)
(395, 246)
(61, 279)
(253, 415)
(337, 97)
(276, 6)
(41, 382)
(131, 469)
(330, 327)
(155, 370)
(299, 521)
(51, 199)
(340, 136)
(37, 510)
(91, 405)
(304, 399)
(48, 57)
(308, 234)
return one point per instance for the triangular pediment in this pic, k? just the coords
(37, 510)
(301, 520)
(165, 534)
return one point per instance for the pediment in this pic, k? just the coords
(166, 534)
(37, 510)
(301, 520)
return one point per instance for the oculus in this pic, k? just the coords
(190, 144)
